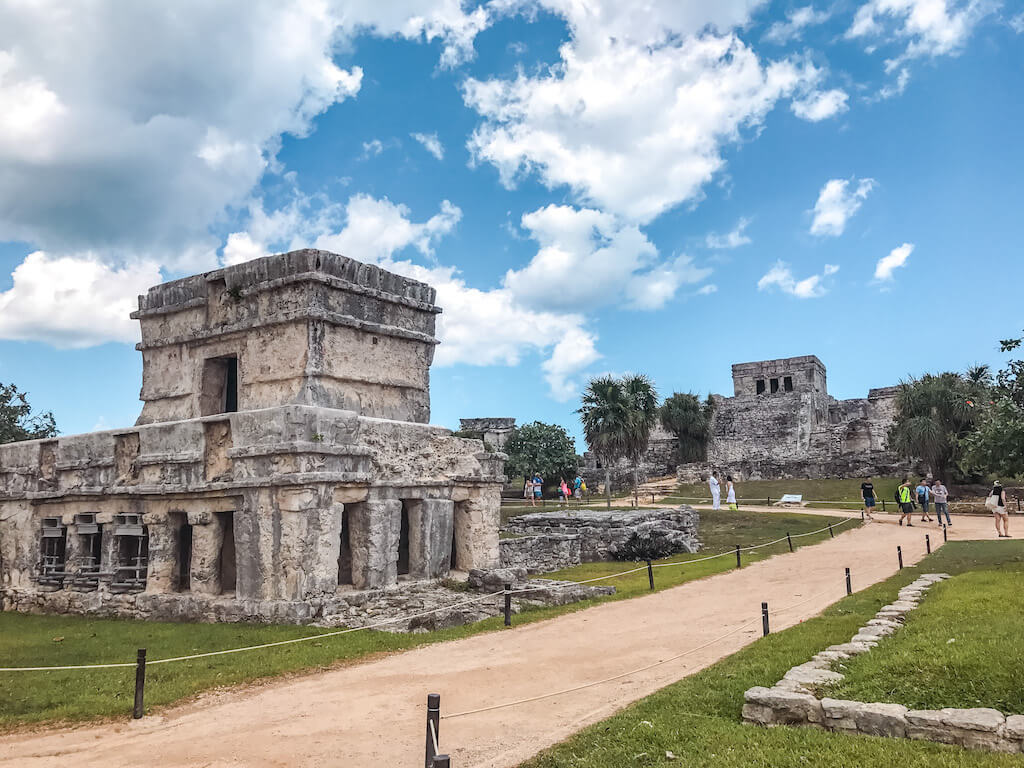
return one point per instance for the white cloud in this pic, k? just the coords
(588, 259)
(1017, 23)
(837, 202)
(888, 264)
(373, 147)
(707, 290)
(897, 88)
(430, 143)
(821, 105)
(733, 239)
(74, 301)
(781, 277)
(928, 27)
(797, 20)
(634, 117)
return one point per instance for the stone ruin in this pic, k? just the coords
(495, 432)
(282, 468)
(781, 422)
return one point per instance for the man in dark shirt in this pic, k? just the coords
(867, 492)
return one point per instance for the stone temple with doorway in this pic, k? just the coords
(282, 466)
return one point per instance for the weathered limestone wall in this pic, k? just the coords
(541, 553)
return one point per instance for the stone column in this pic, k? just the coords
(430, 537)
(207, 538)
(373, 533)
(163, 551)
(476, 530)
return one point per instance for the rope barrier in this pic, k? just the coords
(394, 620)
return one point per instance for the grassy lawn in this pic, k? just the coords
(831, 490)
(963, 647)
(697, 720)
(27, 640)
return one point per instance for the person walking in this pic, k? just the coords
(906, 503)
(716, 491)
(867, 492)
(563, 491)
(996, 501)
(923, 497)
(730, 495)
(577, 487)
(528, 488)
(940, 495)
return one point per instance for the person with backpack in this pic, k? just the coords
(923, 497)
(996, 501)
(906, 502)
(867, 492)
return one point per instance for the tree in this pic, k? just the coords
(606, 413)
(683, 415)
(997, 444)
(17, 421)
(543, 448)
(643, 403)
(934, 414)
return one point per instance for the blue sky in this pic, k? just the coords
(591, 189)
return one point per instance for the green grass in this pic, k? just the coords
(963, 647)
(828, 490)
(27, 640)
(720, 531)
(698, 718)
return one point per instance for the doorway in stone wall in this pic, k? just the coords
(183, 561)
(219, 393)
(345, 553)
(226, 562)
(403, 542)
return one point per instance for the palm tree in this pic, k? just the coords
(643, 401)
(605, 413)
(683, 415)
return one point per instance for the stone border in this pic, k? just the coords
(791, 701)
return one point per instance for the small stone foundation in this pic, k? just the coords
(792, 701)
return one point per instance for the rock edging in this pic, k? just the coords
(791, 701)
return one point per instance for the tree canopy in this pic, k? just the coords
(997, 443)
(935, 413)
(689, 420)
(543, 448)
(17, 422)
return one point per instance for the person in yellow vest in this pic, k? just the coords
(906, 503)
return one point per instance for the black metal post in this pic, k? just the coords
(928, 543)
(790, 540)
(883, 505)
(849, 586)
(433, 718)
(764, 618)
(899, 555)
(442, 761)
(508, 605)
(650, 573)
(140, 683)
(769, 502)
(831, 535)
(862, 515)
(738, 563)
(945, 534)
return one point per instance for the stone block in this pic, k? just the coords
(840, 714)
(975, 719)
(878, 719)
(812, 674)
(1014, 727)
(772, 706)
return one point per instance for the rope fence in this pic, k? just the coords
(409, 617)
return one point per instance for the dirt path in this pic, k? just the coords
(373, 714)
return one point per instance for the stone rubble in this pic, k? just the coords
(791, 701)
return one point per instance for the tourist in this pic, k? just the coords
(716, 491)
(906, 500)
(563, 491)
(577, 487)
(528, 488)
(730, 496)
(940, 495)
(923, 496)
(538, 488)
(867, 492)
(996, 501)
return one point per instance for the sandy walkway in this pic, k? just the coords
(373, 714)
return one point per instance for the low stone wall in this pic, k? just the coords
(603, 533)
(402, 606)
(792, 701)
(541, 553)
